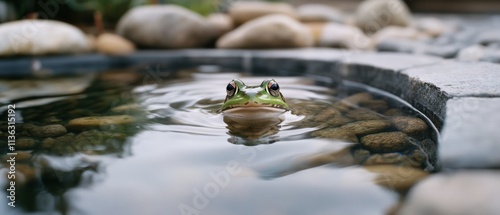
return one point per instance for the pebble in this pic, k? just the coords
(244, 11)
(366, 127)
(386, 142)
(52, 37)
(394, 158)
(98, 121)
(222, 23)
(412, 126)
(165, 26)
(112, 44)
(363, 114)
(336, 133)
(25, 143)
(319, 13)
(267, 32)
(372, 15)
(47, 131)
(343, 36)
(397, 178)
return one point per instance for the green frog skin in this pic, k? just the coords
(265, 96)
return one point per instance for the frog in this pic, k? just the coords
(253, 113)
(266, 96)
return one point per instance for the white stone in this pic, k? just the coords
(471, 53)
(244, 11)
(41, 37)
(344, 36)
(272, 31)
(319, 13)
(372, 15)
(165, 26)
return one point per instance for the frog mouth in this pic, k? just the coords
(254, 106)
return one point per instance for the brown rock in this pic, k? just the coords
(397, 178)
(25, 143)
(113, 44)
(336, 133)
(412, 126)
(396, 159)
(47, 130)
(97, 121)
(351, 102)
(375, 105)
(363, 114)
(386, 142)
(393, 112)
(367, 127)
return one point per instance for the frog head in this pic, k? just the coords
(265, 96)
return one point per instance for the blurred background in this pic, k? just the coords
(83, 11)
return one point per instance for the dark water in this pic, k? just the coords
(179, 156)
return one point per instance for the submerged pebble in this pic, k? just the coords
(412, 126)
(386, 141)
(98, 121)
(47, 130)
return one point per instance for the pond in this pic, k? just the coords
(133, 143)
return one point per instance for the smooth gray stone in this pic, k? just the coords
(431, 86)
(460, 78)
(466, 192)
(470, 137)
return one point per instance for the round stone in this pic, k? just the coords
(165, 26)
(386, 142)
(244, 11)
(272, 31)
(363, 114)
(367, 127)
(41, 37)
(319, 13)
(397, 178)
(336, 133)
(412, 126)
(113, 44)
(47, 131)
(25, 143)
(98, 121)
(341, 36)
(372, 15)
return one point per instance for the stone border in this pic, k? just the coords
(458, 95)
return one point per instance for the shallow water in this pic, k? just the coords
(179, 157)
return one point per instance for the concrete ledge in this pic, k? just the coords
(439, 88)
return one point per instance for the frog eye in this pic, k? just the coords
(231, 89)
(273, 88)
